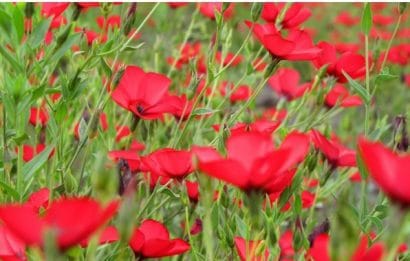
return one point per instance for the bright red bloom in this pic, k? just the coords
(389, 170)
(113, 21)
(192, 190)
(209, 9)
(241, 93)
(351, 63)
(253, 246)
(286, 246)
(286, 82)
(39, 199)
(319, 251)
(253, 163)
(122, 132)
(294, 16)
(130, 156)
(188, 51)
(339, 95)
(175, 5)
(30, 151)
(335, 152)
(109, 235)
(38, 116)
(71, 219)
(170, 163)
(297, 46)
(179, 106)
(152, 240)
(142, 93)
(345, 18)
(228, 59)
(365, 253)
(53, 9)
(11, 247)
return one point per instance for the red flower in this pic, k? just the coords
(192, 190)
(351, 63)
(252, 162)
(53, 9)
(228, 59)
(345, 18)
(286, 246)
(297, 46)
(11, 247)
(130, 156)
(179, 106)
(242, 92)
(175, 5)
(38, 116)
(122, 132)
(336, 154)
(388, 169)
(294, 16)
(152, 240)
(71, 219)
(39, 199)
(253, 246)
(30, 151)
(142, 93)
(170, 163)
(339, 95)
(113, 21)
(209, 9)
(109, 235)
(319, 251)
(188, 52)
(286, 82)
(407, 79)
(365, 253)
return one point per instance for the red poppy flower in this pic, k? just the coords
(209, 9)
(122, 132)
(188, 51)
(228, 59)
(286, 82)
(351, 63)
(113, 21)
(242, 92)
(382, 20)
(38, 116)
(192, 190)
(179, 106)
(253, 246)
(365, 253)
(142, 93)
(11, 247)
(340, 95)
(130, 156)
(109, 235)
(175, 5)
(71, 219)
(294, 16)
(266, 168)
(345, 18)
(286, 246)
(319, 251)
(39, 199)
(53, 9)
(58, 21)
(30, 151)
(388, 169)
(168, 162)
(335, 152)
(152, 240)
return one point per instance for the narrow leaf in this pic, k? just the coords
(359, 89)
(36, 163)
(367, 19)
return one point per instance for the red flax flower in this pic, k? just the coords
(71, 219)
(253, 163)
(297, 46)
(152, 240)
(340, 95)
(142, 93)
(286, 82)
(11, 248)
(253, 246)
(351, 63)
(38, 116)
(335, 152)
(168, 162)
(389, 170)
(294, 16)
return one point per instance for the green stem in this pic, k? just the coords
(390, 42)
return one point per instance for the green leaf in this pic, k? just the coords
(10, 191)
(18, 67)
(105, 67)
(385, 76)
(18, 22)
(65, 47)
(203, 111)
(367, 19)
(39, 33)
(36, 163)
(359, 89)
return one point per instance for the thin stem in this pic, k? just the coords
(390, 42)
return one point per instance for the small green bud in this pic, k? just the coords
(402, 7)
